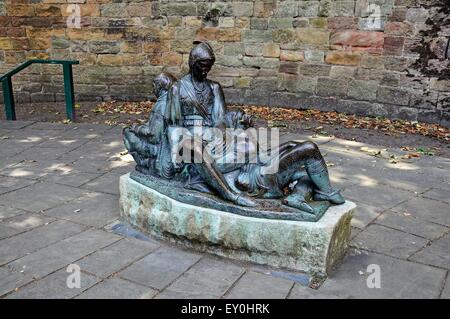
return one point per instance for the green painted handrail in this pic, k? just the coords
(8, 94)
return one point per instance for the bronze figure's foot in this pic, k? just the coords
(243, 201)
(299, 204)
(334, 197)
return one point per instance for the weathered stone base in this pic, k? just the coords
(312, 247)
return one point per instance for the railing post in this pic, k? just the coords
(8, 97)
(68, 91)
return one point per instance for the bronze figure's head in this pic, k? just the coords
(162, 82)
(201, 60)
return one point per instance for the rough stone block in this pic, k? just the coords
(312, 36)
(311, 247)
(314, 56)
(332, 87)
(320, 23)
(288, 67)
(291, 55)
(242, 9)
(391, 95)
(259, 23)
(363, 90)
(325, 8)
(284, 35)
(314, 69)
(393, 45)
(286, 9)
(341, 72)
(20, 10)
(357, 38)
(226, 22)
(256, 36)
(308, 8)
(178, 9)
(271, 50)
(343, 8)
(342, 23)
(343, 58)
(101, 47)
(417, 15)
(280, 23)
(271, 63)
(294, 83)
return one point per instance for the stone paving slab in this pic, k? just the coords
(58, 185)
(70, 178)
(383, 197)
(41, 196)
(18, 246)
(116, 257)
(259, 286)
(11, 280)
(62, 253)
(411, 225)
(209, 278)
(399, 279)
(117, 288)
(436, 254)
(446, 291)
(439, 194)
(38, 153)
(6, 231)
(302, 292)
(54, 286)
(365, 214)
(389, 241)
(7, 212)
(14, 125)
(106, 183)
(9, 184)
(87, 211)
(33, 170)
(27, 221)
(426, 209)
(160, 268)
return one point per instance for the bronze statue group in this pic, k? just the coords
(195, 106)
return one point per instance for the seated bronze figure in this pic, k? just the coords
(301, 180)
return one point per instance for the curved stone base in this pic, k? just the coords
(312, 247)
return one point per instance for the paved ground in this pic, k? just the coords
(59, 206)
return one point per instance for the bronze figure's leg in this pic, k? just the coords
(307, 154)
(213, 177)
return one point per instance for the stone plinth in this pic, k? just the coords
(312, 247)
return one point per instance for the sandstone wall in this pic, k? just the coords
(371, 57)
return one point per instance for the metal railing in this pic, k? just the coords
(8, 94)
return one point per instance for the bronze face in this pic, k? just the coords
(201, 69)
